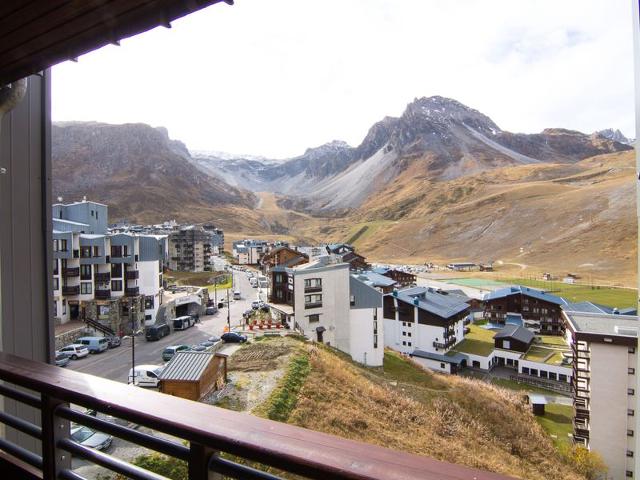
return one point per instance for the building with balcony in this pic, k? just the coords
(605, 386)
(324, 302)
(249, 252)
(193, 248)
(425, 324)
(112, 280)
(541, 311)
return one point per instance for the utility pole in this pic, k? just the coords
(228, 311)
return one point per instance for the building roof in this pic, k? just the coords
(535, 399)
(456, 358)
(521, 334)
(92, 236)
(530, 292)
(603, 324)
(187, 366)
(514, 319)
(70, 222)
(430, 300)
(374, 279)
(590, 307)
(43, 35)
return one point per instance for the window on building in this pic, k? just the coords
(147, 317)
(279, 294)
(314, 318)
(85, 252)
(375, 341)
(525, 370)
(56, 283)
(96, 251)
(55, 267)
(441, 365)
(631, 412)
(352, 300)
(116, 270)
(632, 349)
(630, 391)
(543, 374)
(629, 474)
(404, 334)
(408, 334)
(506, 344)
(85, 288)
(562, 377)
(313, 300)
(629, 433)
(534, 372)
(116, 251)
(116, 285)
(408, 344)
(312, 283)
(85, 272)
(631, 370)
(279, 278)
(149, 302)
(64, 306)
(630, 453)
(55, 245)
(404, 343)
(553, 376)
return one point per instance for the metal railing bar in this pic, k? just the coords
(23, 397)
(107, 461)
(161, 445)
(21, 453)
(22, 425)
(237, 470)
(69, 475)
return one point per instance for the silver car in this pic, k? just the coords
(87, 437)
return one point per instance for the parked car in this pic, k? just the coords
(256, 305)
(114, 341)
(145, 375)
(211, 310)
(75, 351)
(94, 344)
(156, 332)
(88, 437)
(62, 359)
(169, 352)
(207, 344)
(213, 339)
(197, 348)
(233, 337)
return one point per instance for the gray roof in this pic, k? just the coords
(187, 366)
(430, 300)
(457, 358)
(588, 307)
(604, 324)
(375, 279)
(517, 333)
(530, 292)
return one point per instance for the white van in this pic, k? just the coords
(94, 344)
(145, 376)
(253, 281)
(237, 295)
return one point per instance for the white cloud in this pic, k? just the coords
(275, 77)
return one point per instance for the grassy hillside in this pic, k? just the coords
(403, 407)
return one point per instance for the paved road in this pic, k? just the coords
(115, 364)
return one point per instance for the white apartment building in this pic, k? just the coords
(605, 387)
(112, 282)
(325, 303)
(249, 252)
(425, 324)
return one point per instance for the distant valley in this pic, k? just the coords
(442, 181)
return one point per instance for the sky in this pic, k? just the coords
(275, 77)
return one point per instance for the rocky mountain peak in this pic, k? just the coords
(615, 135)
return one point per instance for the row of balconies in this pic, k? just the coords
(102, 294)
(450, 342)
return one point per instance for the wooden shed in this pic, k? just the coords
(192, 375)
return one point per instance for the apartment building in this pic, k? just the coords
(540, 311)
(110, 281)
(249, 252)
(425, 324)
(324, 302)
(192, 248)
(605, 386)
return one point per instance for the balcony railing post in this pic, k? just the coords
(199, 458)
(54, 428)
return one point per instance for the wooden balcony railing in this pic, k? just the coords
(132, 291)
(204, 432)
(103, 277)
(73, 290)
(132, 274)
(71, 272)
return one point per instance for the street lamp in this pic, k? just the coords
(228, 312)
(132, 378)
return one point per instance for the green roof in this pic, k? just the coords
(479, 341)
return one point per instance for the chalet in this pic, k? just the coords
(541, 311)
(403, 279)
(192, 375)
(420, 321)
(283, 256)
(347, 254)
(462, 266)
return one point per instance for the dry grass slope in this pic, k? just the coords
(449, 418)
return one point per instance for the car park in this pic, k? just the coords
(156, 332)
(145, 375)
(94, 344)
(114, 341)
(62, 359)
(233, 337)
(75, 351)
(169, 352)
(87, 437)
